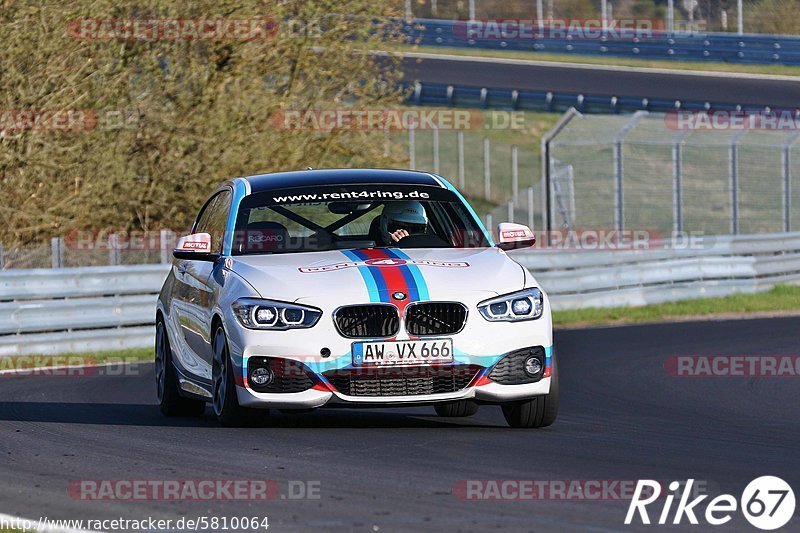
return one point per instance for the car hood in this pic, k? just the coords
(362, 276)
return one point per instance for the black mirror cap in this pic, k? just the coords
(516, 245)
(195, 256)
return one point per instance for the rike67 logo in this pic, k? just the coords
(767, 503)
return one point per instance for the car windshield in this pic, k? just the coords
(313, 219)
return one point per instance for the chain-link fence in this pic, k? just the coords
(497, 168)
(647, 171)
(674, 173)
(757, 16)
(482, 168)
(90, 248)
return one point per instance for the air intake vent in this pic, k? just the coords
(510, 370)
(411, 381)
(435, 318)
(367, 321)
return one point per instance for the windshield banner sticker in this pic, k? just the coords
(387, 262)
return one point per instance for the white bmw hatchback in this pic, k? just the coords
(315, 288)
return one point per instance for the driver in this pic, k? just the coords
(401, 219)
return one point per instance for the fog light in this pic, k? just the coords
(533, 366)
(261, 376)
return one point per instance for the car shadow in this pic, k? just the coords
(126, 414)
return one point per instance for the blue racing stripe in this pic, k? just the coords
(367, 276)
(355, 255)
(383, 292)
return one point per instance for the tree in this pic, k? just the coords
(103, 126)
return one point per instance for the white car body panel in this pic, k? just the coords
(196, 294)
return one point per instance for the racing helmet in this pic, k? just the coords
(409, 215)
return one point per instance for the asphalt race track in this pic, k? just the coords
(623, 417)
(598, 80)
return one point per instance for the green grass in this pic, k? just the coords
(782, 298)
(132, 355)
(609, 60)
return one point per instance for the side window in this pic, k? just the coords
(214, 218)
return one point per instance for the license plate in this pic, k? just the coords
(403, 353)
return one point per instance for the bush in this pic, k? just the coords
(164, 121)
(772, 16)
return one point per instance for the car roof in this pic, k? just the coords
(339, 176)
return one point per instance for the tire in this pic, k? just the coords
(456, 408)
(225, 401)
(170, 400)
(537, 412)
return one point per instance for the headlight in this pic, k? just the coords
(522, 305)
(255, 313)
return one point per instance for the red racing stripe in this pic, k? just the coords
(392, 276)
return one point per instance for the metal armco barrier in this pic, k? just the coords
(713, 266)
(438, 94)
(724, 47)
(71, 310)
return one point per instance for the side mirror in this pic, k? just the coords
(196, 247)
(514, 236)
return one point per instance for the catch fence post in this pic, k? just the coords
(786, 188)
(436, 151)
(487, 169)
(530, 207)
(412, 149)
(514, 174)
(57, 252)
(462, 178)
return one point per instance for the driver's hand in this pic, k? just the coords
(399, 234)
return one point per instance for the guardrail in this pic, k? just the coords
(714, 266)
(71, 310)
(721, 47)
(440, 94)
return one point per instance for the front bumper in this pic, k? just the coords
(313, 398)
(480, 345)
(475, 383)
